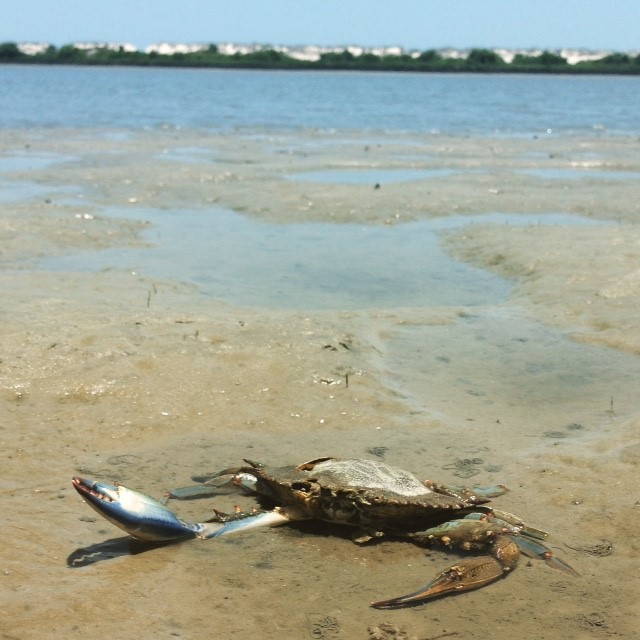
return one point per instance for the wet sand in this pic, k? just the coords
(119, 376)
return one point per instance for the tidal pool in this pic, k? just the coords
(31, 161)
(305, 265)
(580, 173)
(22, 190)
(368, 176)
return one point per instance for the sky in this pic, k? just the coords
(411, 24)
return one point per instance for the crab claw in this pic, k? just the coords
(137, 514)
(147, 519)
(534, 549)
(471, 573)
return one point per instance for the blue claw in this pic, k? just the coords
(534, 549)
(137, 514)
(147, 519)
(243, 522)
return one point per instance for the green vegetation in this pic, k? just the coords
(478, 60)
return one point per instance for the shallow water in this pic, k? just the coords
(19, 191)
(307, 265)
(582, 173)
(28, 161)
(369, 176)
(526, 369)
(299, 266)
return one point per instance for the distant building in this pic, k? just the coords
(312, 53)
(110, 46)
(33, 48)
(168, 49)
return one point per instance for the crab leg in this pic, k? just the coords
(473, 573)
(527, 538)
(243, 522)
(147, 519)
(482, 494)
(534, 549)
(503, 540)
(470, 573)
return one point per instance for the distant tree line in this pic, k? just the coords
(478, 60)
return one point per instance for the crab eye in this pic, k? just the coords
(303, 487)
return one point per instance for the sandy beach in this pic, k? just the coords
(119, 375)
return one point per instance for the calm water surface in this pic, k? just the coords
(308, 265)
(111, 97)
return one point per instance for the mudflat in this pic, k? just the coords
(121, 375)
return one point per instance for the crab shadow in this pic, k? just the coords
(128, 546)
(108, 550)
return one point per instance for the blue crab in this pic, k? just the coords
(372, 497)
